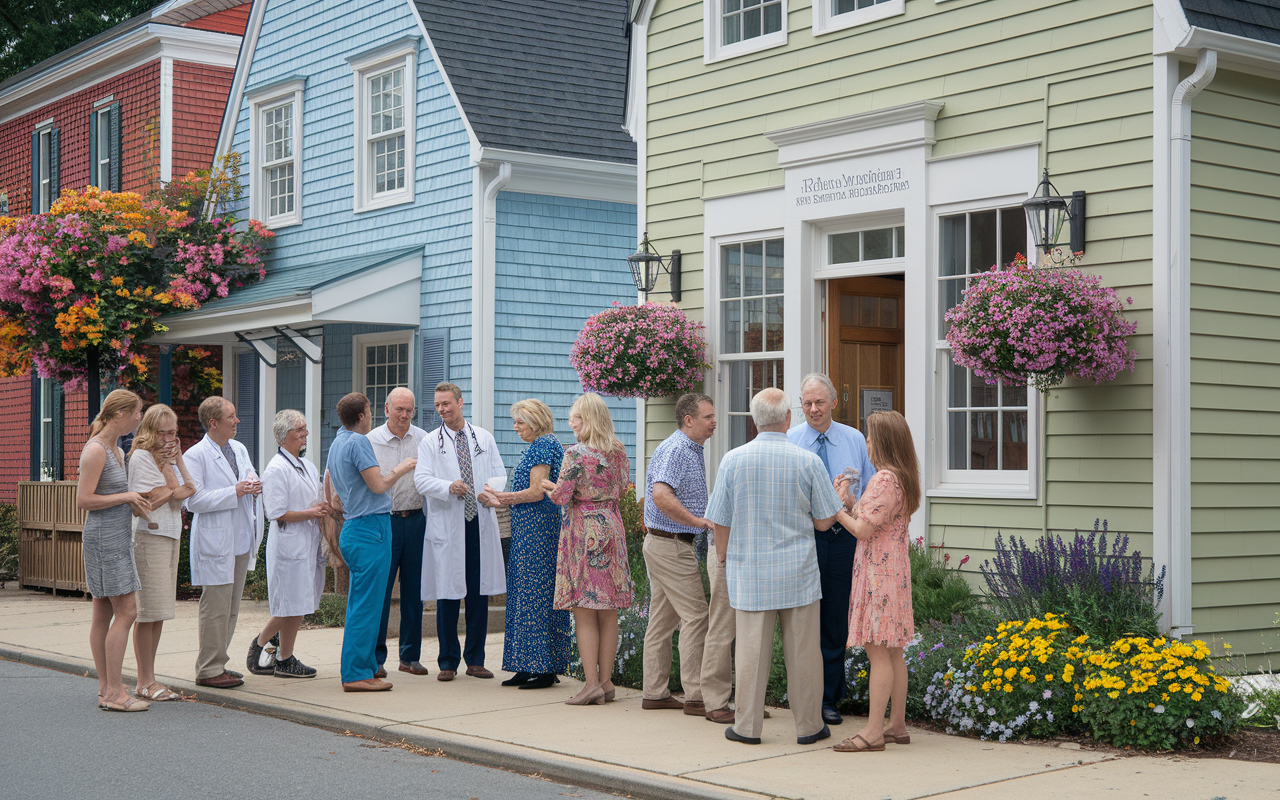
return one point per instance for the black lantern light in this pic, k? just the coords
(1047, 213)
(645, 264)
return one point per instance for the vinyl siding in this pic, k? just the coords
(1235, 366)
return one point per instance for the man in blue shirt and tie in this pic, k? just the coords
(839, 447)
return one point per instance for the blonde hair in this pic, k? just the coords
(148, 437)
(535, 414)
(889, 440)
(120, 401)
(597, 424)
(213, 407)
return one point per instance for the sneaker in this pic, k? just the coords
(259, 660)
(291, 667)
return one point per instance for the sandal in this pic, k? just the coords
(157, 695)
(850, 745)
(891, 738)
(129, 704)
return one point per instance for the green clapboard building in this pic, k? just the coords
(832, 170)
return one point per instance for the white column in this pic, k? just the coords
(166, 119)
(266, 414)
(315, 387)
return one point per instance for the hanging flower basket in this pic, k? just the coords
(1034, 326)
(640, 351)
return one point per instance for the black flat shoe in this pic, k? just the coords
(734, 736)
(517, 679)
(831, 716)
(542, 681)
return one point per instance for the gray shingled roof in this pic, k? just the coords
(546, 76)
(1254, 19)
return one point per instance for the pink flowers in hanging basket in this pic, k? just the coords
(1027, 326)
(640, 351)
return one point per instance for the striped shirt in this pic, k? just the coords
(768, 493)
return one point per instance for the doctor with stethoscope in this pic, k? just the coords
(463, 554)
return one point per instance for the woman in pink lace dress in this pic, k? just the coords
(880, 615)
(593, 577)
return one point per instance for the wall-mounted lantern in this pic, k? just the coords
(1048, 212)
(645, 264)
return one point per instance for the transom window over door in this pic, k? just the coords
(986, 427)
(751, 340)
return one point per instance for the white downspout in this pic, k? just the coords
(484, 299)
(638, 126)
(1178, 346)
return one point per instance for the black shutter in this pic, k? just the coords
(53, 167)
(35, 175)
(93, 149)
(247, 401)
(114, 144)
(58, 427)
(435, 370)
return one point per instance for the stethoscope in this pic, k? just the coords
(295, 464)
(467, 429)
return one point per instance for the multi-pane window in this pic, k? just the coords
(869, 245)
(278, 174)
(45, 182)
(845, 6)
(748, 19)
(47, 450)
(102, 156)
(751, 309)
(385, 366)
(387, 131)
(986, 425)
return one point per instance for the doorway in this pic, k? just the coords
(865, 341)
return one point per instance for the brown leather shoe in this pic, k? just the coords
(724, 716)
(413, 667)
(367, 685)
(479, 672)
(695, 708)
(381, 673)
(666, 702)
(446, 674)
(224, 681)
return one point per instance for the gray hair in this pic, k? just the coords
(285, 421)
(821, 380)
(769, 408)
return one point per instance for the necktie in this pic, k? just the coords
(464, 466)
(822, 451)
(231, 459)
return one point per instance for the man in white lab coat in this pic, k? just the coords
(225, 533)
(463, 556)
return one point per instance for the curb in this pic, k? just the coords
(484, 752)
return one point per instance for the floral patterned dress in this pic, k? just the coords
(591, 567)
(880, 604)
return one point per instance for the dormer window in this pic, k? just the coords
(385, 125)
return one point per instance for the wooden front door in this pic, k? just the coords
(865, 347)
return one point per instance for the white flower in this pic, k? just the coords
(1159, 709)
(991, 712)
(1191, 723)
(1216, 714)
(1033, 705)
(1047, 694)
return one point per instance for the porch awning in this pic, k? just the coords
(381, 288)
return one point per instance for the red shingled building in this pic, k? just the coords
(138, 104)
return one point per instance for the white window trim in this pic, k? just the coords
(713, 51)
(993, 484)
(826, 22)
(264, 100)
(362, 340)
(45, 165)
(403, 53)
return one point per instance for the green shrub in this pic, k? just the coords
(9, 536)
(332, 612)
(938, 593)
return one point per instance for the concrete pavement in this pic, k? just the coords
(652, 754)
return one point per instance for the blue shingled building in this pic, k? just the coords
(452, 192)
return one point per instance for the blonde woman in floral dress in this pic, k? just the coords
(592, 574)
(880, 614)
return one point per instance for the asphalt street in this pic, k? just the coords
(56, 743)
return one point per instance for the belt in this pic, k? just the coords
(687, 538)
(413, 512)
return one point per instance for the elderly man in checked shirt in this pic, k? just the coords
(770, 497)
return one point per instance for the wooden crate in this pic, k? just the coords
(50, 551)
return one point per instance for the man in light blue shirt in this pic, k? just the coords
(840, 447)
(770, 496)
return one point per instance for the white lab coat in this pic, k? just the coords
(295, 571)
(444, 573)
(218, 514)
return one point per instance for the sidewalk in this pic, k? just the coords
(619, 747)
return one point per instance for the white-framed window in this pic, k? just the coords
(47, 447)
(380, 363)
(44, 167)
(737, 27)
(385, 125)
(275, 133)
(104, 145)
(988, 434)
(836, 15)
(750, 332)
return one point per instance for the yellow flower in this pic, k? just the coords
(1113, 694)
(1175, 687)
(1008, 687)
(1049, 677)
(1196, 696)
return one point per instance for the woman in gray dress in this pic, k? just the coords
(109, 568)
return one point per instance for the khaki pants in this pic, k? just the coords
(219, 608)
(801, 647)
(717, 652)
(676, 599)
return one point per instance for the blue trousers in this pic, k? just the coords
(835, 568)
(477, 612)
(365, 543)
(407, 534)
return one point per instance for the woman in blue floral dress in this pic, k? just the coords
(536, 645)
